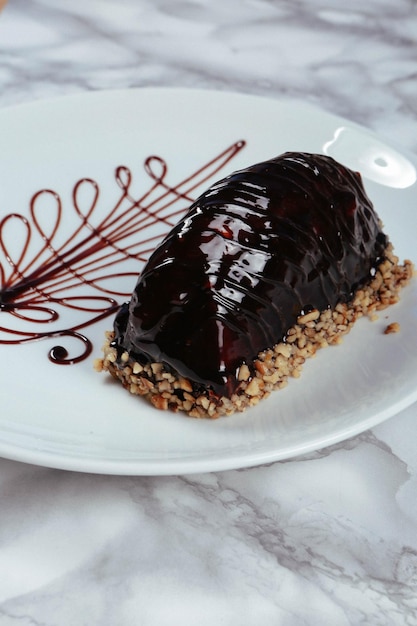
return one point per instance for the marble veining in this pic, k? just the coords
(329, 538)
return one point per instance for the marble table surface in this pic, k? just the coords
(327, 538)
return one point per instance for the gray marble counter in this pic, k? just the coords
(329, 538)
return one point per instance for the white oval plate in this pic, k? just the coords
(70, 417)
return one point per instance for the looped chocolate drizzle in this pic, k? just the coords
(46, 271)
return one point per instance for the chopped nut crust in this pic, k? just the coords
(273, 367)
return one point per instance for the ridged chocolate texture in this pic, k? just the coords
(255, 251)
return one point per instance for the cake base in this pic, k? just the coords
(273, 367)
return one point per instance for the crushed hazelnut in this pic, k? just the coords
(392, 328)
(273, 367)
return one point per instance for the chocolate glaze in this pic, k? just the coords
(255, 251)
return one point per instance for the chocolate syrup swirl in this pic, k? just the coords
(48, 274)
(255, 251)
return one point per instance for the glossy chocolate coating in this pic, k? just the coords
(253, 252)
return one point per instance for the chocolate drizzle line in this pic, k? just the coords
(47, 274)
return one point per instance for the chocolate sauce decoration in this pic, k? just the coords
(51, 271)
(255, 251)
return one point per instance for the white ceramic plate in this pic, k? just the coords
(70, 417)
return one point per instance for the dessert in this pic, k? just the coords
(268, 265)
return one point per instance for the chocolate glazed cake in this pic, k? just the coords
(269, 264)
